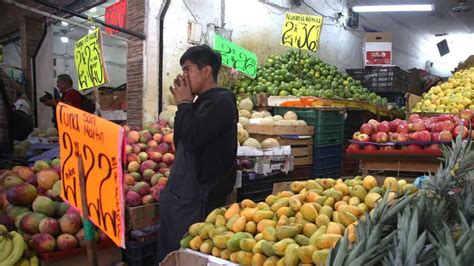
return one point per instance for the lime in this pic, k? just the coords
(283, 93)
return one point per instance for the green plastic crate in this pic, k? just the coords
(314, 117)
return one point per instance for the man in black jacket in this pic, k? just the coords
(205, 137)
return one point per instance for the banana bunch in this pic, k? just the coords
(12, 248)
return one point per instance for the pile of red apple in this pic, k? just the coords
(149, 156)
(416, 133)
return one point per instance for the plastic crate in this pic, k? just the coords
(333, 171)
(138, 253)
(382, 79)
(394, 97)
(327, 150)
(315, 117)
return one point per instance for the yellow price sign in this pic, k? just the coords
(301, 31)
(90, 61)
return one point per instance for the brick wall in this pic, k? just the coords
(31, 31)
(135, 22)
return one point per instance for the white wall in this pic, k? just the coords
(12, 59)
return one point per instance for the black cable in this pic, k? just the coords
(316, 11)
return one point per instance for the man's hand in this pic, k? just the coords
(48, 102)
(182, 89)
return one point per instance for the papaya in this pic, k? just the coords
(247, 203)
(281, 262)
(302, 192)
(309, 229)
(220, 221)
(287, 231)
(312, 184)
(295, 203)
(263, 206)
(317, 206)
(346, 199)
(194, 229)
(269, 233)
(343, 188)
(305, 253)
(221, 239)
(338, 205)
(217, 230)
(264, 223)
(270, 199)
(300, 197)
(206, 246)
(257, 248)
(231, 211)
(184, 243)
(211, 218)
(309, 212)
(239, 225)
(280, 246)
(314, 237)
(258, 259)
(320, 257)
(248, 213)
(231, 221)
(326, 210)
(352, 209)
(283, 202)
(260, 215)
(322, 219)
(302, 240)
(267, 247)
(225, 254)
(300, 221)
(196, 242)
(251, 227)
(320, 200)
(271, 261)
(334, 228)
(291, 255)
(247, 244)
(233, 257)
(216, 252)
(244, 258)
(346, 218)
(234, 242)
(296, 186)
(287, 211)
(204, 231)
(259, 236)
(311, 196)
(351, 232)
(333, 193)
(283, 220)
(285, 194)
(330, 201)
(327, 241)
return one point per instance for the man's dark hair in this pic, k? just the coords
(66, 78)
(203, 55)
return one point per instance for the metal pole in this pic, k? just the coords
(76, 14)
(46, 14)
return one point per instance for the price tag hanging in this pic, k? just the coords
(236, 57)
(301, 31)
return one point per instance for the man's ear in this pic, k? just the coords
(208, 71)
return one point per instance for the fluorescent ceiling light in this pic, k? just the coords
(94, 9)
(64, 39)
(392, 8)
(64, 24)
(91, 31)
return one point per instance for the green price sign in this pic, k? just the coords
(235, 56)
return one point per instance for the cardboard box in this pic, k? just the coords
(411, 99)
(142, 216)
(378, 49)
(274, 130)
(191, 257)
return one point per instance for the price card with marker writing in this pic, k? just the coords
(89, 61)
(235, 56)
(100, 144)
(301, 31)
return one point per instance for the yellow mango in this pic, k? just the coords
(234, 257)
(320, 199)
(260, 215)
(196, 242)
(264, 223)
(343, 188)
(206, 247)
(371, 199)
(232, 210)
(204, 230)
(369, 182)
(244, 257)
(283, 202)
(287, 231)
(346, 218)
(194, 229)
(239, 225)
(279, 247)
(217, 230)
(330, 201)
(281, 262)
(295, 204)
(251, 227)
(297, 186)
(322, 219)
(305, 253)
(263, 206)
(283, 220)
(258, 259)
(320, 257)
(220, 221)
(248, 213)
(271, 261)
(334, 228)
(312, 184)
(225, 254)
(257, 248)
(309, 212)
(352, 209)
(311, 196)
(291, 255)
(286, 211)
(211, 218)
(247, 244)
(309, 229)
(221, 239)
(259, 237)
(327, 241)
(246, 203)
(354, 201)
(269, 233)
(338, 205)
(314, 237)
(216, 252)
(286, 194)
(270, 199)
(231, 221)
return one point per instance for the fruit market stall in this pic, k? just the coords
(412, 145)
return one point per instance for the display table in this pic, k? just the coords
(397, 160)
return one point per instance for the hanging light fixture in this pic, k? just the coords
(393, 8)
(64, 38)
(64, 24)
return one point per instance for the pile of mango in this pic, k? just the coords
(291, 227)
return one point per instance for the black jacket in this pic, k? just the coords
(208, 130)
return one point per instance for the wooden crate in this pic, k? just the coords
(301, 149)
(273, 130)
(142, 216)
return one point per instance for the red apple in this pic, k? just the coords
(403, 128)
(158, 137)
(381, 137)
(445, 136)
(419, 125)
(394, 124)
(373, 123)
(372, 138)
(383, 127)
(448, 125)
(424, 136)
(370, 147)
(388, 148)
(432, 147)
(466, 115)
(403, 137)
(412, 147)
(413, 117)
(355, 136)
(435, 136)
(457, 130)
(366, 129)
(353, 147)
(363, 138)
(392, 136)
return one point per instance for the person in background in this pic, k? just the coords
(69, 95)
(7, 96)
(205, 133)
(56, 96)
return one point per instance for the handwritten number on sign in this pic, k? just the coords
(67, 143)
(288, 39)
(235, 56)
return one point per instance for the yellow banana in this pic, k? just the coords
(18, 248)
(3, 230)
(22, 262)
(6, 248)
(34, 261)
